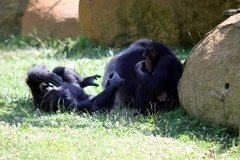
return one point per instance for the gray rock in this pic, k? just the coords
(210, 84)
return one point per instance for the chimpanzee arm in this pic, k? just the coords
(156, 81)
(68, 75)
(38, 75)
(105, 99)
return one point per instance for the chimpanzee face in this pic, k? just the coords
(52, 99)
(150, 56)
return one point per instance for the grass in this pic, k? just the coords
(26, 133)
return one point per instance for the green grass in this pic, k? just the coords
(26, 133)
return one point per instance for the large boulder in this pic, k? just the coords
(54, 18)
(196, 18)
(119, 22)
(11, 13)
(210, 84)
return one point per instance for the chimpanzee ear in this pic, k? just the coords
(152, 52)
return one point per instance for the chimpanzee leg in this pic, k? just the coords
(146, 103)
(72, 77)
(105, 99)
(142, 100)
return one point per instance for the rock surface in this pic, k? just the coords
(210, 84)
(120, 22)
(11, 13)
(173, 22)
(54, 18)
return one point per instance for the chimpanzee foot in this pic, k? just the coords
(115, 79)
(89, 81)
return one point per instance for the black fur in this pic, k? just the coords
(142, 86)
(63, 89)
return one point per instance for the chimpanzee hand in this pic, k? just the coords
(54, 79)
(114, 79)
(162, 97)
(140, 68)
(89, 81)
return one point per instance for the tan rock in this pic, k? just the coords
(54, 18)
(196, 18)
(121, 22)
(11, 13)
(210, 84)
(174, 22)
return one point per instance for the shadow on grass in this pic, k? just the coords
(83, 48)
(175, 124)
(72, 48)
(179, 124)
(69, 48)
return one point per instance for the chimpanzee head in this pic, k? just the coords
(153, 52)
(55, 99)
(151, 60)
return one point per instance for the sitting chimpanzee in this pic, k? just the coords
(151, 73)
(63, 89)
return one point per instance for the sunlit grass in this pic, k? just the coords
(26, 133)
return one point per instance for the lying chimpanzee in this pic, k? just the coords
(151, 73)
(63, 89)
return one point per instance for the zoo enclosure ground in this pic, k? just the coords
(27, 134)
